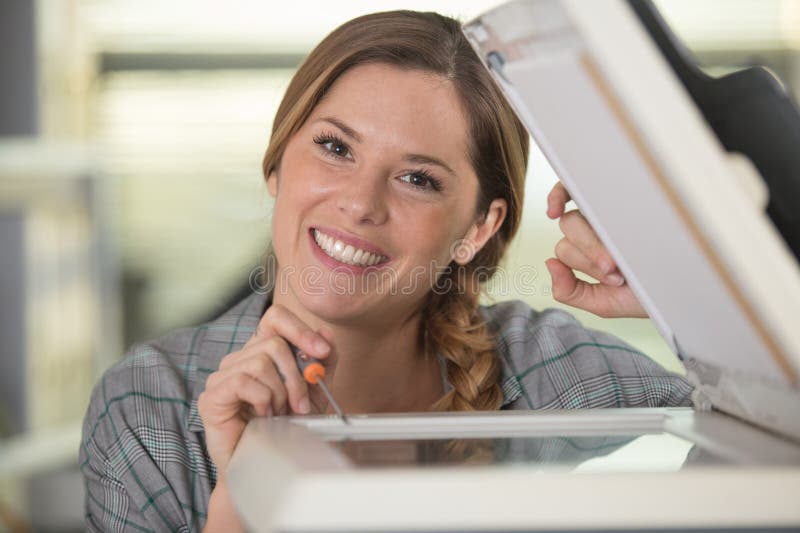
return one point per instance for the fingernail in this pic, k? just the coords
(305, 406)
(607, 266)
(615, 279)
(321, 346)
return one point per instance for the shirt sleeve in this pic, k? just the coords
(143, 470)
(108, 506)
(551, 361)
(636, 379)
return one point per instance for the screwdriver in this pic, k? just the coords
(314, 373)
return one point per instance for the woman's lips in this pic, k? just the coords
(369, 258)
(348, 249)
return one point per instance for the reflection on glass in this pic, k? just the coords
(614, 453)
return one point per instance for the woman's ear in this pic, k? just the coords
(480, 232)
(272, 183)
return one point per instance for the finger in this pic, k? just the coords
(581, 234)
(294, 383)
(278, 320)
(261, 367)
(557, 200)
(286, 376)
(229, 397)
(213, 379)
(249, 350)
(571, 256)
(570, 290)
(602, 300)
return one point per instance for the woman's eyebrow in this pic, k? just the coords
(350, 132)
(429, 160)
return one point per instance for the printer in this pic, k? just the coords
(638, 134)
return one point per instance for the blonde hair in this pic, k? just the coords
(451, 325)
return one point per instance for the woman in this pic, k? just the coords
(397, 169)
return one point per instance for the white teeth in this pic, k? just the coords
(346, 253)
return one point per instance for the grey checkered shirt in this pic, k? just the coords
(143, 451)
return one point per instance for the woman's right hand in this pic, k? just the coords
(261, 379)
(582, 250)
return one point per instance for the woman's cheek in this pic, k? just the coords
(281, 225)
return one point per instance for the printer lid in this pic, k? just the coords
(684, 218)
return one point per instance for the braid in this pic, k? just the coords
(454, 329)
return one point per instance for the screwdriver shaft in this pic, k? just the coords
(332, 401)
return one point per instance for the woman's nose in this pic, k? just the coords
(363, 199)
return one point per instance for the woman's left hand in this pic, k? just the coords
(581, 250)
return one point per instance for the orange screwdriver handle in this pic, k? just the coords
(310, 367)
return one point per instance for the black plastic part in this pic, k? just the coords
(303, 359)
(750, 112)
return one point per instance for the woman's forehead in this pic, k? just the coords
(410, 108)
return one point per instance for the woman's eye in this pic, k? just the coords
(333, 145)
(421, 182)
(337, 148)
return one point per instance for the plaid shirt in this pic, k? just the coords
(143, 451)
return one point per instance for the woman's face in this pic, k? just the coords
(374, 193)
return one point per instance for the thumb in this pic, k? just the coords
(570, 290)
(566, 288)
(333, 357)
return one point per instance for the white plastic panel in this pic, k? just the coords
(634, 152)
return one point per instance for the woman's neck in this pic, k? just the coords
(385, 372)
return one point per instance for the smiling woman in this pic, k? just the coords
(397, 169)
(381, 169)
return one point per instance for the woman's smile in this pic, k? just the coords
(345, 252)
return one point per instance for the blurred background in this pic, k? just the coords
(131, 199)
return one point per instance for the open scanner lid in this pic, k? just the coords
(685, 219)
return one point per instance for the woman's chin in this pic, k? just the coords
(333, 307)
